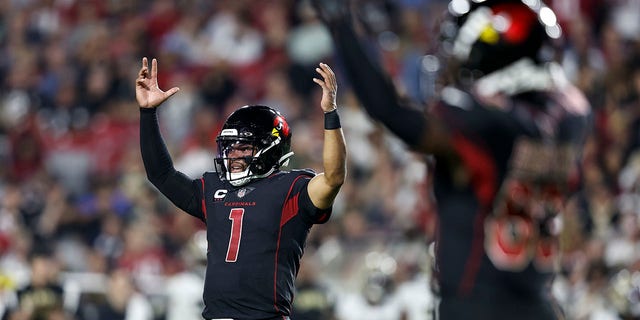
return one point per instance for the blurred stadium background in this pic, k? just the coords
(77, 212)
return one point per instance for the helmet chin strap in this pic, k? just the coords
(284, 160)
(238, 178)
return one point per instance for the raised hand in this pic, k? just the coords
(329, 87)
(148, 94)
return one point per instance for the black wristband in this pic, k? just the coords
(332, 120)
(148, 110)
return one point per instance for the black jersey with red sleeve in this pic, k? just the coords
(256, 232)
(501, 188)
(505, 164)
(500, 200)
(256, 235)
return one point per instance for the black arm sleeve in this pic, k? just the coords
(374, 89)
(177, 187)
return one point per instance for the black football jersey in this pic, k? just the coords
(504, 163)
(256, 233)
(256, 236)
(498, 205)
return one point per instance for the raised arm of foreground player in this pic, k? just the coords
(157, 162)
(324, 187)
(372, 86)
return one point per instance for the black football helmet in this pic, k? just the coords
(482, 36)
(266, 130)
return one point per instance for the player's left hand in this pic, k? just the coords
(329, 87)
(148, 94)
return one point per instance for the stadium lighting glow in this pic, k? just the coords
(533, 4)
(459, 7)
(553, 31)
(501, 23)
(548, 17)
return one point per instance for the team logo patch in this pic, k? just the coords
(280, 126)
(244, 191)
(219, 194)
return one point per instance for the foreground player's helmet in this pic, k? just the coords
(482, 36)
(266, 130)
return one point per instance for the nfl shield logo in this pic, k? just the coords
(242, 192)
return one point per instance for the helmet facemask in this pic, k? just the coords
(225, 159)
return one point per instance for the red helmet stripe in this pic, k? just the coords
(521, 19)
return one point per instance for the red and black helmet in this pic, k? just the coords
(482, 36)
(266, 130)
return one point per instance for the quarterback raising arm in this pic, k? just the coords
(324, 187)
(249, 205)
(176, 186)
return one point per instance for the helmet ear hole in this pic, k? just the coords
(258, 167)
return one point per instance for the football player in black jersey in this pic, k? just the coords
(506, 132)
(257, 215)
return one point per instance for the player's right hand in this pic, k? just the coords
(148, 94)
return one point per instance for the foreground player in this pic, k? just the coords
(506, 132)
(257, 216)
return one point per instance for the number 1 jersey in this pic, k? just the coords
(256, 236)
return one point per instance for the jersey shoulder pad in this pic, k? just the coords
(294, 174)
(212, 178)
(304, 172)
(211, 175)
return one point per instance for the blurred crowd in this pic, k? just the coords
(83, 235)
